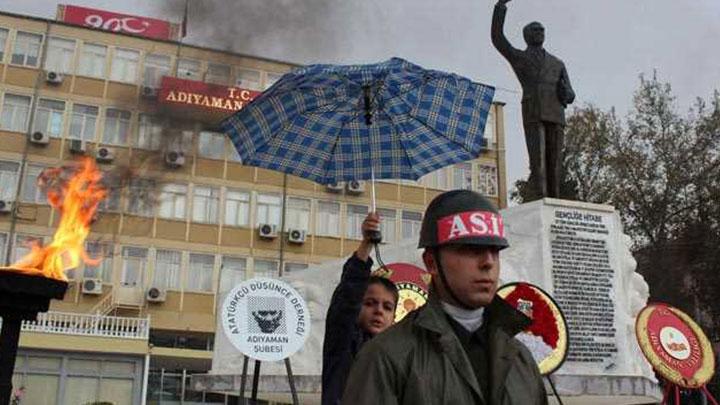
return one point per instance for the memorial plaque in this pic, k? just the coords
(584, 282)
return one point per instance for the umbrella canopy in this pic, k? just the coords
(391, 120)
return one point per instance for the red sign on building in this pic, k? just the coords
(117, 22)
(191, 93)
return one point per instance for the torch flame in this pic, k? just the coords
(77, 199)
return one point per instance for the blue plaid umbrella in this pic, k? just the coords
(392, 120)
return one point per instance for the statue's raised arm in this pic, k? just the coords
(497, 33)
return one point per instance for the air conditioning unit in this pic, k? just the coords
(92, 286)
(267, 231)
(296, 236)
(53, 77)
(6, 206)
(175, 159)
(104, 154)
(148, 92)
(355, 187)
(335, 187)
(155, 294)
(39, 138)
(77, 146)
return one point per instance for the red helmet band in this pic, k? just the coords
(469, 224)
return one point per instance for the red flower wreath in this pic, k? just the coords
(543, 323)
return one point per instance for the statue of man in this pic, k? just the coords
(546, 93)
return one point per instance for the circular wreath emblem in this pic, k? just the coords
(675, 345)
(547, 335)
(412, 285)
(410, 298)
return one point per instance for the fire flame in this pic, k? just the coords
(77, 199)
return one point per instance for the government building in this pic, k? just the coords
(184, 220)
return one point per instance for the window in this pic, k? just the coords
(292, 268)
(387, 226)
(200, 272)
(327, 222)
(298, 214)
(268, 209)
(156, 66)
(134, 263)
(180, 141)
(411, 222)
(27, 49)
(125, 65)
(172, 201)
(15, 113)
(103, 252)
(140, 200)
(205, 204)
(462, 176)
(149, 135)
(92, 60)
(3, 246)
(271, 78)
(355, 216)
(8, 180)
(30, 191)
(167, 269)
(248, 79)
(487, 180)
(489, 135)
(234, 154)
(49, 117)
(266, 268)
(444, 178)
(237, 208)
(218, 74)
(60, 55)
(3, 41)
(117, 127)
(232, 272)
(23, 245)
(188, 69)
(113, 184)
(211, 145)
(82, 122)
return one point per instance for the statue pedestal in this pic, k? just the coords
(577, 252)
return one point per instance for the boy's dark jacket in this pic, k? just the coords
(343, 336)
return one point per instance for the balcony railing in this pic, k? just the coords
(69, 323)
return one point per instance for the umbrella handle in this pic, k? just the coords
(374, 236)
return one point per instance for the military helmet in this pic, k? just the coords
(462, 217)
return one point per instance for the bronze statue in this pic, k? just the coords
(546, 93)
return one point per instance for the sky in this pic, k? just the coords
(605, 44)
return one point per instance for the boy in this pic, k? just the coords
(361, 307)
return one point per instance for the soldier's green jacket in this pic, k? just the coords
(421, 361)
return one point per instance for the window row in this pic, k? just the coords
(169, 269)
(115, 126)
(232, 207)
(235, 207)
(122, 64)
(478, 176)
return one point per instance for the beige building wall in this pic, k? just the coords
(185, 309)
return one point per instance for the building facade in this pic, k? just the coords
(184, 219)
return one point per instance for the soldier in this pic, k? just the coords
(458, 348)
